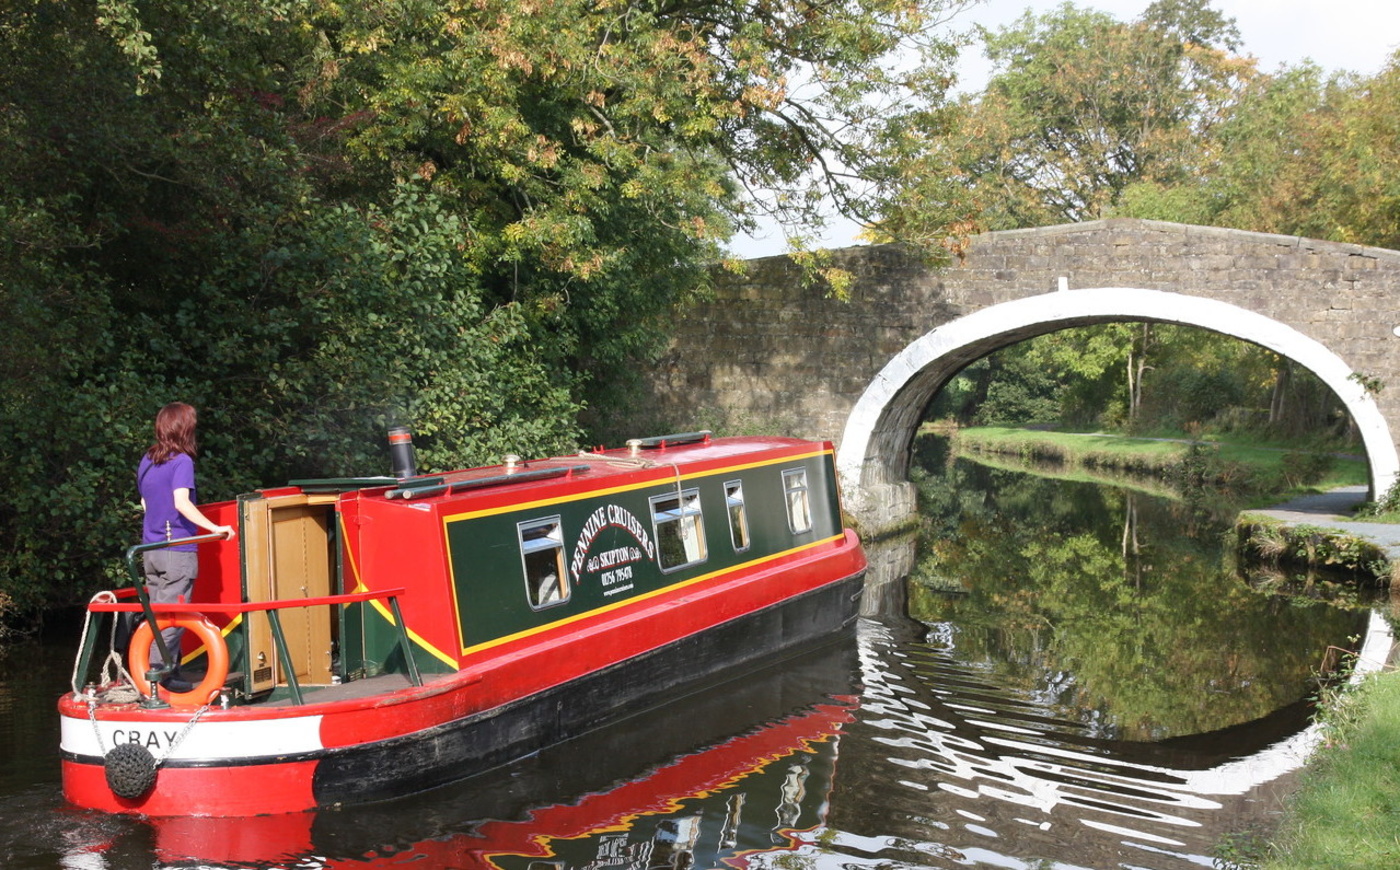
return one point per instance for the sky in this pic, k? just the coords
(1353, 35)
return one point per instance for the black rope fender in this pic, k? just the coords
(130, 769)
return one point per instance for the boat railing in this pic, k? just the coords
(151, 610)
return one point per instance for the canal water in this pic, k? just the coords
(1056, 674)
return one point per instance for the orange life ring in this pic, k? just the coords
(139, 656)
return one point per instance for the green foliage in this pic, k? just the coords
(1369, 383)
(1240, 850)
(1190, 467)
(1298, 154)
(1276, 543)
(1387, 504)
(1251, 187)
(595, 135)
(1339, 182)
(1017, 401)
(390, 325)
(1156, 200)
(1305, 467)
(1202, 466)
(1141, 378)
(1002, 389)
(1087, 116)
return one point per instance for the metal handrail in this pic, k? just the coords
(244, 607)
(137, 549)
(455, 486)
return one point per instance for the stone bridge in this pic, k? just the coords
(767, 355)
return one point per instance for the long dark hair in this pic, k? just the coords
(174, 432)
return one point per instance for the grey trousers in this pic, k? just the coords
(170, 578)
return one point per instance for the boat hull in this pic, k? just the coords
(466, 747)
(292, 759)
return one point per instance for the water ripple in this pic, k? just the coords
(968, 760)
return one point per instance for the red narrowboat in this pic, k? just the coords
(365, 638)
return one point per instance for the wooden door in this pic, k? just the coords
(287, 555)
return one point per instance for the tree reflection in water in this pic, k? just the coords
(1086, 682)
(1119, 609)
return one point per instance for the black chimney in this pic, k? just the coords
(402, 462)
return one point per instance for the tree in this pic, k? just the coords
(1299, 154)
(1145, 376)
(1315, 157)
(1081, 107)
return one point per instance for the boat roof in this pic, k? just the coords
(693, 451)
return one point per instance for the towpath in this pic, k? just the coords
(1332, 510)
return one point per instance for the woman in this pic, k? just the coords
(165, 479)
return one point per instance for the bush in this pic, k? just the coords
(1305, 467)
(1388, 503)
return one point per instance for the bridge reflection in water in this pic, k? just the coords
(967, 773)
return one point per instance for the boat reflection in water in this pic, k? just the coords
(704, 781)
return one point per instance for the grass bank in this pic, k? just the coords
(1081, 474)
(1264, 474)
(1261, 539)
(1346, 814)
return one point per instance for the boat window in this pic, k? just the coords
(680, 530)
(542, 552)
(738, 516)
(799, 507)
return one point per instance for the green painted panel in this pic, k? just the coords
(613, 547)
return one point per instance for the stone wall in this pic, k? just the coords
(769, 355)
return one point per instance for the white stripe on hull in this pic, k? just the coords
(206, 741)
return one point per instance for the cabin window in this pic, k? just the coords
(542, 551)
(738, 516)
(680, 530)
(799, 505)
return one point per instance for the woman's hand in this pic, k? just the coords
(188, 510)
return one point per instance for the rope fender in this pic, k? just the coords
(130, 769)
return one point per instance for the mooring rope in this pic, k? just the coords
(115, 685)
(121, 688)
(104, 597)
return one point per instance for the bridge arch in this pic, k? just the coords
(873, 456)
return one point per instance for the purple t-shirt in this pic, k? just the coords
(157, 484)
